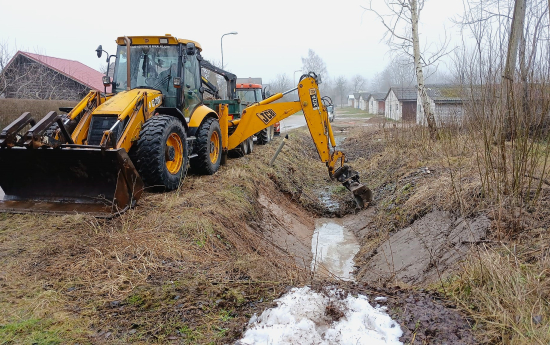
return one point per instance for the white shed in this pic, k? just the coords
(401, 104)
(446, 101)
(351, 101)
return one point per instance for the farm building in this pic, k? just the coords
(351, 101)
(446, 101)
(357, 97)
(364, 100)
(400, 104)
(376, 102)
(34, 76)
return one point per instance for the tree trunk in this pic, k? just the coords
(508, 127)
(430, 118)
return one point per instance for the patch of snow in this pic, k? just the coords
(307, 317)
(333, 248)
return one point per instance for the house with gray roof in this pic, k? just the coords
(400, 104)
(446, 102)
(376, 103)
(351, 101)
(363, 100)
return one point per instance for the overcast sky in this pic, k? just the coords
(272, 35)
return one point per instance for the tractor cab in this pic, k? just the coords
(162, 63)
(249, 93)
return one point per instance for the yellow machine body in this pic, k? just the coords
(89, 169)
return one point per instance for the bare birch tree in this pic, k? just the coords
(402, 35)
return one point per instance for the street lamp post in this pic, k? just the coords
(221, 42)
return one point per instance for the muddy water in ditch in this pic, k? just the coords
(333, 248)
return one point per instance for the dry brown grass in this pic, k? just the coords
(11, 108)
(503, 285)
(181, 264)
(506, 295)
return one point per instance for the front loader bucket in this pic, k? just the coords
(72, 179)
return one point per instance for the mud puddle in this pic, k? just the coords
(333, 248)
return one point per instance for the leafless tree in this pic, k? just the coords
(401, 22)
(314, 63)
(401, 72)
(508, 103)
(341, 88)
(358, 82)
(382, 80)
(5, 57)
(281, 83)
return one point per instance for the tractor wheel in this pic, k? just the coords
(264, 136)
(160, 154)
(250, 141)
(208, 147)
(241, 150)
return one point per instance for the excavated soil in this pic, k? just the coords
(286, 226)
(424, 317)
(424, 252)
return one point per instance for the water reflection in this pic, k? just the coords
(333, 248)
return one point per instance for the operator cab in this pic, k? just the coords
(163, 63)
(249, 93)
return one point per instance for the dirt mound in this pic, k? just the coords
(286, 226)
(423, 317)
(424, 251)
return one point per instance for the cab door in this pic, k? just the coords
(192, 96)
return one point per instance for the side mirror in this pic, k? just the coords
(266, 93)
(190, 48)
(99, 51)
(106, 80)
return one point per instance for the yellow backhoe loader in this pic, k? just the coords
(100, 156)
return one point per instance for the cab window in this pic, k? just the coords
(191, 87)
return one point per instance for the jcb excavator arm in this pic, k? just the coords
(265, 113)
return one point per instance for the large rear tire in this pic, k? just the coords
(161, 154)
(264, 136)
(208, 147)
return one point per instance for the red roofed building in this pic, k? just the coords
(34, 76)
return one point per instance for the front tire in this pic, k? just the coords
(161, 153)
(209, 147)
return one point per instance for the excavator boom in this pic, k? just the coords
(265, 113)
